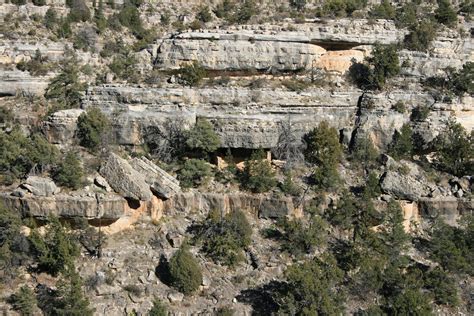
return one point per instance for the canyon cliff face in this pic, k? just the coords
(261, 81)
(253, 117)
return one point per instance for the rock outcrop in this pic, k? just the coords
(124, 179)
(161, 182)
(447, 208)
(246, 118)
(405, 180)
(60, 127)
(261, 206)
(13, 82)
(243, 118)
(274, 47)
(329, 45)
(238, 54)
(87, 205)
(40, 186)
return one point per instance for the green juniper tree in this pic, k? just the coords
(70, 299)
(202, 139)
(69, 171)
(24, 301)
(56, 251)
(258, 175)
(325, 152)
(66, 88)
(92, 128)
(185, 272)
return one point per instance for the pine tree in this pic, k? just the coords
(202, 138)
(69, 172)
(65, 88)
(445, 13)
(70, 297)
(455, 148)
(92, 128)
(258, 175)
(56, 251)
(324, 150)
(402, 144)
(24, 301)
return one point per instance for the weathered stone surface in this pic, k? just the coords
(124, 179)
(13, 82)
(410, 186)
(40, 186)
(262, 206)
(339, 61)
(447, 208)
(175, 239)
(14, 51)
(243, 118)
(276, 208)
(274, 47)
(175, 297)
(246, 118)
(90, 206)
(379, 126)
(60, 127)
(322, 44)
(161, 182)
(102, 183)
(245, 54)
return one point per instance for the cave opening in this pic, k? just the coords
(132, 203)
(335, 45)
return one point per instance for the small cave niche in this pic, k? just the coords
(335, 45)
(132, 203)
(101, 222)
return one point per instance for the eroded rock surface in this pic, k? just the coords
(124, 179)
(40, 186)
(86, 205)
(60, 127)
(161, 182)
(405, 180)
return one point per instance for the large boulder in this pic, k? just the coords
(405, 180)
(161, 183)
(124, 179)
(40, 186)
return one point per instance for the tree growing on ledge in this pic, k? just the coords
(56, 251)
(202, 139)
(455, 148)
(382, 65)
(192, 74)
(258, 175)
(69, 172)
(445, 13)
(66, 88)
(324, 150)
(91, 128)
(299, 5)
